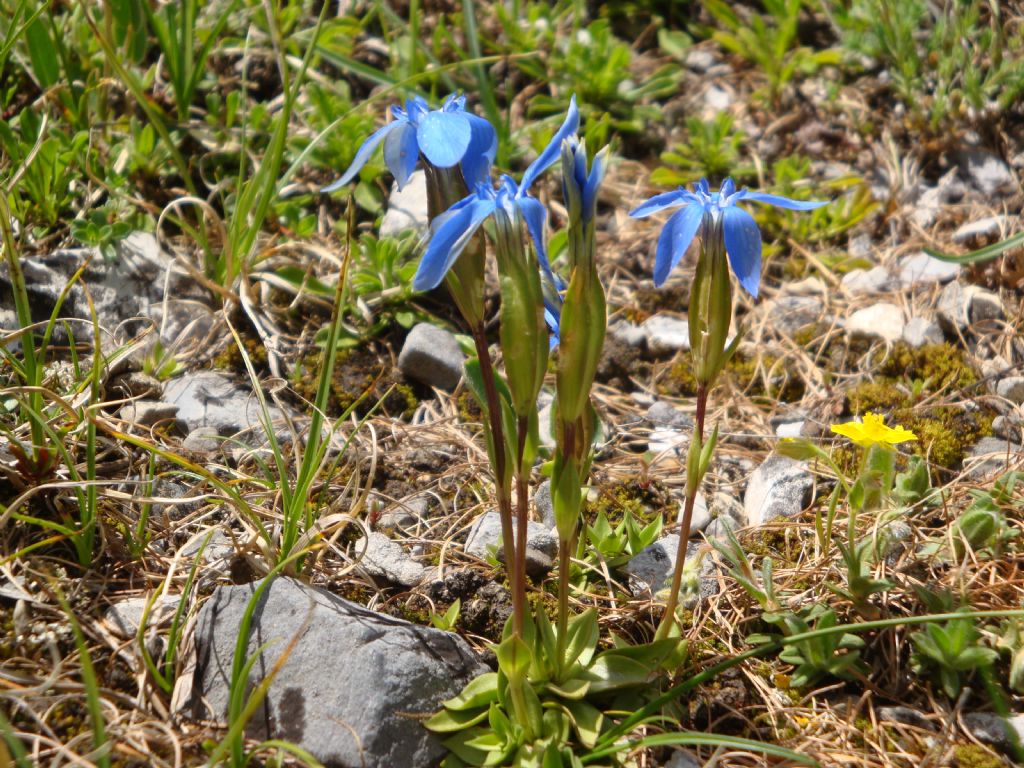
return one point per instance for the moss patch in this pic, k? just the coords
(764, 377)
(644, 499)
(973, 756)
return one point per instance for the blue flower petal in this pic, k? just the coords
(364, 154)
(480, 154)
(553, 150)
(536, 216)
(781, 202)
(743, 244)
(449, 240)
(401, 153)
(660, 202)
(675, 238)
(597, 172)
(443, 137)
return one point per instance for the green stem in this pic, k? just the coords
(564, 554)
(684, 528)
(522, 516)
(501, 490)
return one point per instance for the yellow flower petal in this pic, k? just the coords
(872, 431)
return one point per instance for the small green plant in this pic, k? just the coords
(770, 41)
(448, 620)
(820, 656)
(616, 545)
(950, 653)
(711, 150)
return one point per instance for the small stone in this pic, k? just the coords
(1011, 388)
(860, 246)
(433, 356)
(984, 305)
(405, 514)
(982, 229)
(543, 506)
(923, 270)
(650, 570)
(212, 399)
(682, 759)
(780, 487)
(809, 286)
(136, 384)
(628, 333)
(891, 541)
(867, 282)
(123, 617)
(790, 428)
(990, 455)
(918, 332)
(880, 321)
(667, 415)
(668, 439)
(666, 335)
(545, 420)
(905, 716)
(346, 682)
(953, 308)
(701, 514)
(987, 172)
(203, 440)
(387, 559)
(990, 728)
(217, 557)
(717, 99)
(721, 527)
(790, 314)
(541, 545)
(146, 413)
(407, 208)
(700, 60)
(1008, 426)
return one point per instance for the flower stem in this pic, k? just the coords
(502, 492)
(684, 528)
(564, 553)
(522, 515)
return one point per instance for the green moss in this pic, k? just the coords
(359, 381)
(764, 377)
(231, 358)
(938, 365)
(645, 499)
(973, 756)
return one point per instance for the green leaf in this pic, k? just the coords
(573, 689)
(450, 721)
(587, 720)
(478, 692)
(583, 636)
(612, 671)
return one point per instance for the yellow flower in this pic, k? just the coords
(872, 431)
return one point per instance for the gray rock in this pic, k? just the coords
(172, 490)
(212, 399)
(668, 439)
(990, 728)
(985, 305)
(543, 505)
(217, 556)
(650, 570)
(789, 314)
(879, 321)
(407, 208)
(628, 333)
(203, 440)
(790, 428)
(683, 759)
(541, 544)
(701, 514)
(666, 335)
(780, 487)
(987, 172)
(921, 270)
(407, 513)
(545, 419)
(664, 414)
(1008, 426)
(721, 527)
(905, 716)
(891, 541)
(717, 100)
(983, 229)
(700, 60)
(867, 282)
(146, 413)
(860, 246)
(1012, 388)
(433, 356)
(990, 455)
(918, 332)
(385, 559)
(123, 617)
(136, 384)
(351, 685)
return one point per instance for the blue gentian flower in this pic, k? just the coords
(581, 186)
(716, 215)
(445, 136)
(454, 228)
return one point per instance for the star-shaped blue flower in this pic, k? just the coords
(445, 136)
(454, 228)
(716, 211)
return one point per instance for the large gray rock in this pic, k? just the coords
(780, 487)
(963, 306)
(212, 399)
(650, 570)
(353, 682)
(992, 729)
(541, 543)
(433, 356)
